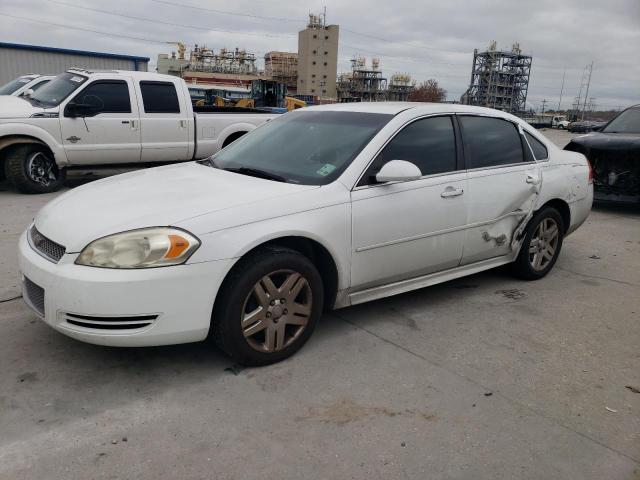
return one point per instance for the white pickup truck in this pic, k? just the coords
(86, 119)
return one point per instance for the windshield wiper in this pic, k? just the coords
(255, 172)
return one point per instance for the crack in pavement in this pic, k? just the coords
(486, 388)
(10, 299)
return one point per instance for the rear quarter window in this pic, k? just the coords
(540, 152)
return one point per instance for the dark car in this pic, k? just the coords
(614, 153)
(585, 126)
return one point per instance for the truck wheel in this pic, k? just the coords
(267, 307)
(31, 168)
(541, 245)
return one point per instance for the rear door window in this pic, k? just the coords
(159, 97)
(490, 142)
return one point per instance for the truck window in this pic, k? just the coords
(108, 96)
(159, 97)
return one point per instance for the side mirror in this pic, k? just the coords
(80, 110)
(27, 93)
(398, 171)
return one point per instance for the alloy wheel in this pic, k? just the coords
(41, 169)
(544, 243)
(276, 311)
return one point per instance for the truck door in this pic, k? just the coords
(166, 122)
(111, 132)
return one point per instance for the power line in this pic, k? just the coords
(289, 19)
(225, 12)
(71, 27)
(173, 24)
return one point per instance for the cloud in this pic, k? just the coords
(427, 39)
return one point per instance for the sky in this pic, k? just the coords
(425, 38)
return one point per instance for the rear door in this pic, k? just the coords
(503, 181)
(164, 119)
(111, 135)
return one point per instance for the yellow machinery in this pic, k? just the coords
(291, 103)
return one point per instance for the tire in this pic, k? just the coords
(254, 332)
(31, 168)
(533, 261)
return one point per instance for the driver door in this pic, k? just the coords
(407, 229)
(112, 133)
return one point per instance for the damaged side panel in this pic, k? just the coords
(501, 202)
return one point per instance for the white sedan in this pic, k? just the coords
(322, 208)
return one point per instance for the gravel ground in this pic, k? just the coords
(483, 377)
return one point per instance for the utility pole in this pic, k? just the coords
(586, 95)
(562, 88)
(544, 102)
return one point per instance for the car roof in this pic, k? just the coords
(394, 108)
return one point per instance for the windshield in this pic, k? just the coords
(311, 148)
(54, 92)
(627, 122)
(13, 85)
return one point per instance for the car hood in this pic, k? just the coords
(153, 197)
(16, 107)
(610, 142)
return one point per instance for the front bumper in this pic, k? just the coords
(161, 306)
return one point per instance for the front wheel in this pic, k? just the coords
(31, 168)
(268, 307)
(541, 245)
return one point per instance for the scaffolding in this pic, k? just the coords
(203, 59)
(400, 87)
(282, 67)
(499, 79)
(362, 84)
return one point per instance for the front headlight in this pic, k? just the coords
(144, 248)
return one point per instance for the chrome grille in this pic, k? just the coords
(47, 248)
(110, 323)
(34, 295)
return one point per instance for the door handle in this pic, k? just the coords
(183, 123)
(451, 192)
(533, 180)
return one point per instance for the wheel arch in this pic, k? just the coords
(236, 128)
(233, 137)
(563, 208)
(9, 141)
(312, 249)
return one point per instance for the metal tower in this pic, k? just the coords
(499, 79)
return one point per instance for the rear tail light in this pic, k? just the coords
(590, 172)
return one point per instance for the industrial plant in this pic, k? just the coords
(499, 79)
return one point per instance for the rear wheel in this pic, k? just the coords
(541, 245)
(268, 307)
(31, 168)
